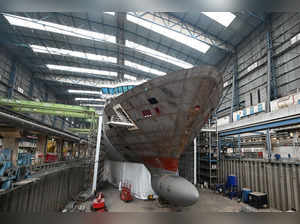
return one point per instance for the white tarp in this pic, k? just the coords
(135, 174)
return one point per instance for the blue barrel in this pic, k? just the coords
(245, 194)
(232, 180)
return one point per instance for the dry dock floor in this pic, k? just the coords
(209, 202)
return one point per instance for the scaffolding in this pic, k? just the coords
(208, 154)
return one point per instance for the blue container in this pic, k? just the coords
(232, 180)
(245, 195)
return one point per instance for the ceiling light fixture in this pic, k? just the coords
(129, 77)
(92, 105)
(82, 70)
(90, 99)
(159, 55)
(57, 28)
(144, 68)
(78, 54)
(79, 91)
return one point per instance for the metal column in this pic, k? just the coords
(121, 17)
(271, 78)
(269, 144)
(239, 145)
(195, 160)
(235, 95)
(210, 142)
(12, 79)
(97, 154)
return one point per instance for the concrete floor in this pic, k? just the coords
(208, 202)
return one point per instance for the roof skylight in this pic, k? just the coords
(144, 68)
(159, 55)
(184, 39)
(110, 13)
(81, 70)
(78, 54)
(79, 91)
(224, 18)
(57, 28)
(130, 77)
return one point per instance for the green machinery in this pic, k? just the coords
(62, 110)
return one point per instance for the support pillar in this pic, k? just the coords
(31, 87)
(97, 154)
(120, 37)
(239, 146)
(12, 79)
(71, 146)
(46, 100)
(235, 101)
(78, 150)
(86, 151)
(60, 146)
(271, 78)
(11, 141)
(269, 145)
(41, 148)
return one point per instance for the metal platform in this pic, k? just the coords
(284, 117)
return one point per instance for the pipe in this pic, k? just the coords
(97, 154)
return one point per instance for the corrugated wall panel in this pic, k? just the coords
(286, 60)
(280, 180)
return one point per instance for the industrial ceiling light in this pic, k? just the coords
(129, 77)
(78, 91)
(90, 99)
(92, 105)
(158, 55)
(144, 68)
(110, 13)
(57, 28)
(224, 18)
(182, 38)
(78, 54)
(82, 70)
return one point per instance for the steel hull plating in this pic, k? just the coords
(165, 115)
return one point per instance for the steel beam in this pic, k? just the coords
(271, 78)
(269, 144)
(38, 126)
(54, 121)
(235, 101)
(97, 154)
(31, 87)
(260, 127)
(12, 78)
(45, 106)
(79, 130)
(46, 100)
(51, 112)
(120, 37)
(63, 123)
(173, 23)
(221, 101)
(82, 81)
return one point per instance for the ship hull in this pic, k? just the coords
(166, 113)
